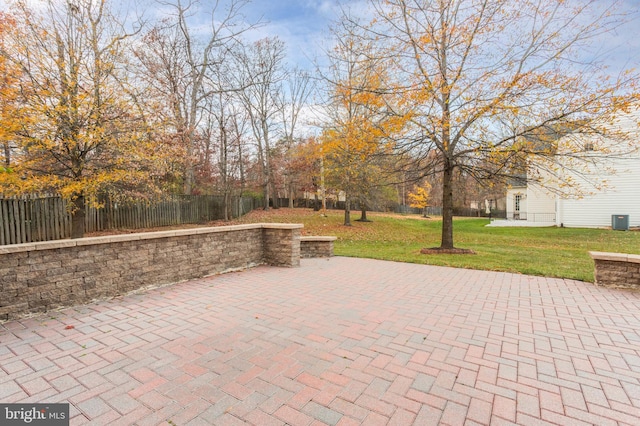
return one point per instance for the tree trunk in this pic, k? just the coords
(276, 200)
(226, 204)
(189, 172)
(322, 189)
(447, 207)
(77, 218)
(7, 154)
(265, 192)
(347, 210)
(242, 182)
(290, 195)
(363, 214)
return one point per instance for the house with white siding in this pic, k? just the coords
(591, 188)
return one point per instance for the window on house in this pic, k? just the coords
(517, 202)
(588, 146)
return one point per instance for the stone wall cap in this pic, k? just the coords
(87, 241)
(227, 228)
(180, 232)
(633, 258)
(614, 257)
(17, 248)
(156, 234)
(125, 237)
(317, 238)
(95, 240)
(281, 225)
(50, 245)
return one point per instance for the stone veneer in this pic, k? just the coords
(617, 270)
(37, 277)
(316, 246)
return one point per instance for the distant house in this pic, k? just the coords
(586, 189)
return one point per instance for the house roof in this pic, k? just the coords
(543, 140)
(517, 181)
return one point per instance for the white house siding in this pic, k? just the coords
(541, 206)
(510, 201)
(621, 197)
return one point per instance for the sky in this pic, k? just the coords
(304, 26)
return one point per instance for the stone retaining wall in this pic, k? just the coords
(316, 246)
(617, 270)
(37, 277)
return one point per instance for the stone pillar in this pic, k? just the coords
(316, 246)
(281, 243)
(617, 270)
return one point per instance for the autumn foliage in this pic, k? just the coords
(458, 93)
(77, 136)
(481, 77)
(361, 131)
(419, 196)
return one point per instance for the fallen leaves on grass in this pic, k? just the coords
(438, 250)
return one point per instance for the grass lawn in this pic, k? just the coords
(551, 252)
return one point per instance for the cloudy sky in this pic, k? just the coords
(304, 26)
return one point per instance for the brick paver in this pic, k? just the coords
(339, 342)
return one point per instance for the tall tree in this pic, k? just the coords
(293, 98)
(226, 132)
(262, 66)
(483, 74)
(180, 67)
(306, 168)
(359, 126)
(81, 138)
(10, 111)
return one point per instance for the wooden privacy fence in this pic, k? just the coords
(29, 219)
(25, 220)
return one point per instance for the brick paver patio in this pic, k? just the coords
(338, 342)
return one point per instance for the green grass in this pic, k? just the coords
(551, 252)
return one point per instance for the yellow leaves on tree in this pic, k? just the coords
(81, 139)
(361, 125)
(10, 111)
(363, 119)
(481, 76)
(419, 197)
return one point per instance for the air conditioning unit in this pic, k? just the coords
(620, 222)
